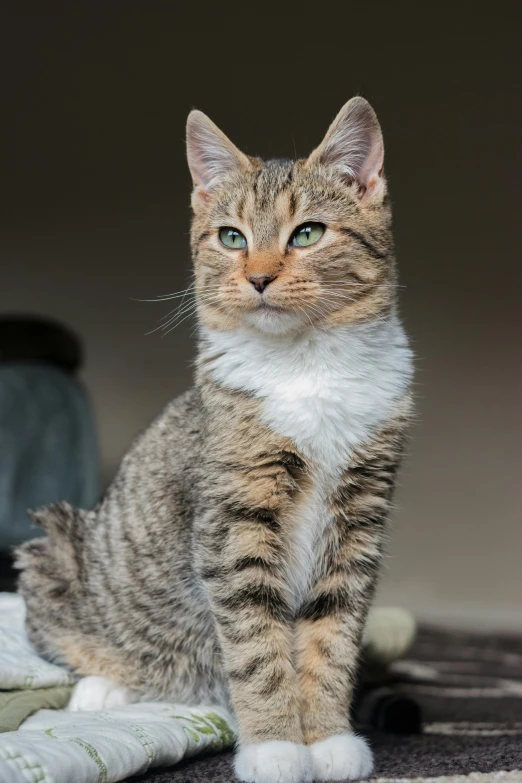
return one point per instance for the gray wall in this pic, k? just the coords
(96, 213)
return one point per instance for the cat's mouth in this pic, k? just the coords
(272, 318)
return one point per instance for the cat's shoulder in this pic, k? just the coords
(175, 430)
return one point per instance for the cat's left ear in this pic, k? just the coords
(354, 146)
(211, 155)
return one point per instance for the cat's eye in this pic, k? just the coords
(307, 234)
(232, 238)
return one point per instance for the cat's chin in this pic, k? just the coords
(272, 321)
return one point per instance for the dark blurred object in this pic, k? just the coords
(28, 339)
(49, 449)
(8, 574)
(381, 708)
(388, 637)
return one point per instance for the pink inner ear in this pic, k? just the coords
(371, 170)
(354, 145)
(211, 155)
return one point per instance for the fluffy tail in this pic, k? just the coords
(50, 566)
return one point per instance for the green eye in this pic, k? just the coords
(232, 238)
(307, 234)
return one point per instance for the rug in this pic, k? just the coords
(470, 690)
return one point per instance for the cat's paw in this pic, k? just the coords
(98, 693)
(341, 757)
(277, 761)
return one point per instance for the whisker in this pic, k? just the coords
(197, 295)
(165, 297)
(189, 307)
(178, 294)
(302, 310)
(364, 285)
(316, 310)
(180, 322)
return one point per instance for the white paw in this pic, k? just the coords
(98, 693)
(341, 757)
(277, 761)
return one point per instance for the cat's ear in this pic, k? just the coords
(354, 146)
(211, 155)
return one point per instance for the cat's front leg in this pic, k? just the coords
(330, 626)
(327, 661)
(243, 575)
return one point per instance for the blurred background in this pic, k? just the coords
(95, 214)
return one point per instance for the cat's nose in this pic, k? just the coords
(260, 282)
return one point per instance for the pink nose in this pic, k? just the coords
(260, 282)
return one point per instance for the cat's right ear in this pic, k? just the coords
(211, 155)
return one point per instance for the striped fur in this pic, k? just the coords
(234, 557)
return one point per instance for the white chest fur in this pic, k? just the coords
(327, 390)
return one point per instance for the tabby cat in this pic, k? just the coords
(235, 555)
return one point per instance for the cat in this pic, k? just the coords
(234, 558)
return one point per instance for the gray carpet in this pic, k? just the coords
(470, 691)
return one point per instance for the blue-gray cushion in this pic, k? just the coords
(48, 448)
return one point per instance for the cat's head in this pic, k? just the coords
(285, 244)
